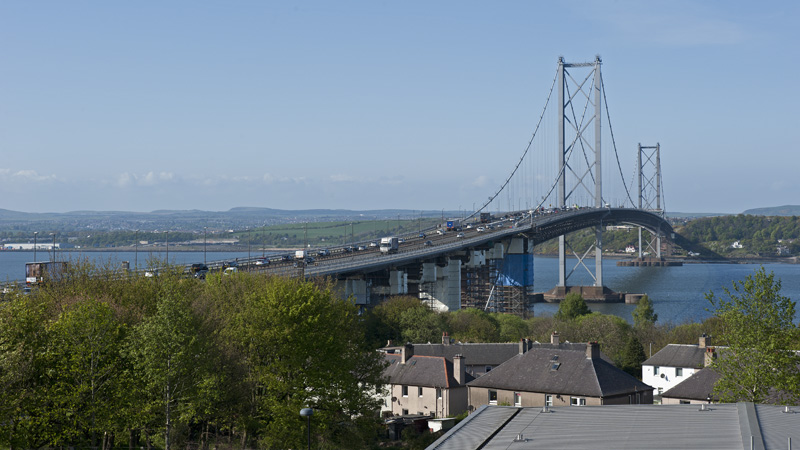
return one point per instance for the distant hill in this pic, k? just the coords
(786, 210)
(193, 220)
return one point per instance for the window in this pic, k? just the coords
(487, 368)
(405, 391)
(679, 371)
(517, 399)
(577, 401)
(685, 402)
(438, 392)
(660, 390)
(492, 397)
(419, 391)
(548, 400)
(405, 412)
(656, 370)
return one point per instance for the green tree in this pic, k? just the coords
(84, 359)
(572, 306)
(758, 329)
(473, 325)
(420, 324)
(512, 328)
(632, 356)
(305, 348)
(644, 314)
(169, 355)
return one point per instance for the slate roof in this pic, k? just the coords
(678, 355)
(575, 374)
(429, 371)
(488, 354)
(619, 427)
(696, 387)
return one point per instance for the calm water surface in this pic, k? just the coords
(678, 293)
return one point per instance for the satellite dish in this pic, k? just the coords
(663, 376)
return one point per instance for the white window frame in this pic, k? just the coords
(404, 390)
(656, 370)
(679, 371)
(517, 399)
(577, 401)
(548, 400)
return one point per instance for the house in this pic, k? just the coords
(696, 389)
(737, 244)
(675, 363)
(558, 376)
(481, 358)
(630, 249)
(424, 385)
(722, 426)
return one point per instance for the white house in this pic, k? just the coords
(675, 363)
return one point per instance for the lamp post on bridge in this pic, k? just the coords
(136, 251)
(34, 245)
(205, 231)
(166, 234)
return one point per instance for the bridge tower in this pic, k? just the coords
(579, 152)
(651, 196)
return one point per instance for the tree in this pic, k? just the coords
(644, 314)
(83, 355)
(512, 328)
(473, 325)
(758, 329)
(632, 356)
(572, 306)
(169, 354)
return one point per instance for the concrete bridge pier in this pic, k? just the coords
(357, 287)
(440, 284)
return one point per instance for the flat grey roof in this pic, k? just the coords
(724, 426)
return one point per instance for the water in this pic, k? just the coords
(12, 263)
(678, 293)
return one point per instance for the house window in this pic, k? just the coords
(517, 399)
(656, 370)
(685, 402)
(438, 392)
(548, 400)
(492, 397)
(577, 401)
(660, 390)
(487, 368)
(405, 391)
(679, 371)
(405, 412)
(419, 391)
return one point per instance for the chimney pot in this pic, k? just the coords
(554, 339)
(445, 338)
(709, 356)
(704, 341)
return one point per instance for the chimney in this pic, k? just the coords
(445, 338)
(523, 346)
(710, 356)
(592, 350)
(389, 343)
(705, 341)
(554, 338)
(406, 353)
(459, 369)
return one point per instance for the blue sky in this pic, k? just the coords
(139, 106)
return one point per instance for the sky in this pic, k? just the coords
(142, 106)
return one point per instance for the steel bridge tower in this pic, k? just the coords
(584, 168)
(651, 195)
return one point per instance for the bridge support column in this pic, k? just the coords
(398, 282)
(440, 286)
(358, 288)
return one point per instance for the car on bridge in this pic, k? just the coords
(428, 244)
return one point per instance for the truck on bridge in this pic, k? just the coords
(390, 244)
(453, 225)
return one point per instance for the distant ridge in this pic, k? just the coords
(786, 210)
